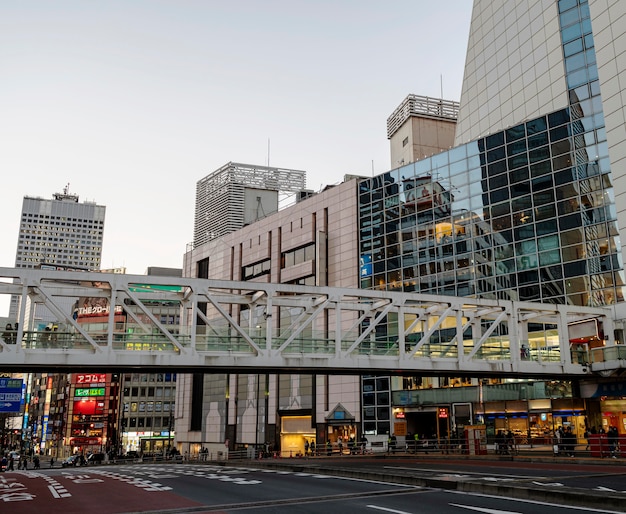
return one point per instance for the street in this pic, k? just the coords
(111, 489)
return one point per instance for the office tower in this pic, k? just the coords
(59, 233)
(524, 207)
(237, 194)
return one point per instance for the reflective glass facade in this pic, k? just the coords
(525, 214)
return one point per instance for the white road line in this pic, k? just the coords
(385, 509)
(431, 471)
(483, 509)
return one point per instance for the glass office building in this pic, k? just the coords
(526, 213)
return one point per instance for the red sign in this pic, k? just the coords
(443, 412)
(90, 378)
(89, 406)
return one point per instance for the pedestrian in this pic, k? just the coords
(612, 437)
(391, 444)
(11, 463)
(25, 465)
(306, 448)
(329, 448)
(36, 462)
(312, 447)
(51, 462)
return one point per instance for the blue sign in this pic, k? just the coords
(10, 394)
(366, 265)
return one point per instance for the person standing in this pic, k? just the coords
(612, 437)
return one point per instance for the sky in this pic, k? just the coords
(131, 103)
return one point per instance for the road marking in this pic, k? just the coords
(608, 490)
(430, 471)
(483, 509)
(556, 484)
(387, 509)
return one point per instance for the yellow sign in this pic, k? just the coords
(399, 428)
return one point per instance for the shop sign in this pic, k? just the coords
(94, 391)
(91, 378)
(443, 412)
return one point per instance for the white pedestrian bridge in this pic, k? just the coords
(190, 324)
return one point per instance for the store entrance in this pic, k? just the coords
(423, 423)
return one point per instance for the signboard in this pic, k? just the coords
(10, 394)
(91, 378)
(94, 391)
(399, 428)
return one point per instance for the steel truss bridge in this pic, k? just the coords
(225, 326)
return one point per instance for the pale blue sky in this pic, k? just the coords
(133, 102)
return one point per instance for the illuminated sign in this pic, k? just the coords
(443, 412)
(91, 378)
(93, 391)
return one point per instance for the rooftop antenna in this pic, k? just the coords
(372, 167)
(268, 152)
(441, 82)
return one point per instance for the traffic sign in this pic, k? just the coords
(10, 394)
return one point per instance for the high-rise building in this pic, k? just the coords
(238, 194)
(60, 232)
(525, 206)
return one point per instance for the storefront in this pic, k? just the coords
(534, 422)
(294, 431)
(609, 402)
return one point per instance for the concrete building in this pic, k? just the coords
(420, 127)
(238, 194)
(59, 232)
(313, 242)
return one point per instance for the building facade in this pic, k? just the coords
(525, 206)
(313, 242)
(59, 232)
(237, 194)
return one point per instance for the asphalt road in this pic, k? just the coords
(606, 476)
(200, 488)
